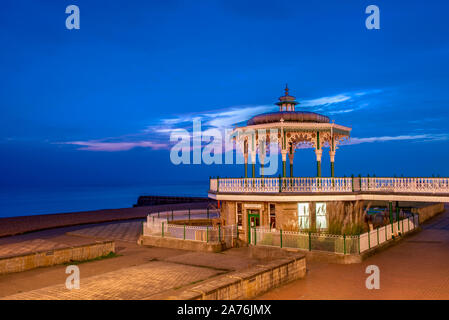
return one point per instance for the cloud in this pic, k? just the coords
(341, 103)
(419, 137)
(325, 100)
(157, 134)
(223, 119)
(115, 146)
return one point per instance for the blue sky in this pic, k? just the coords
(93, 106)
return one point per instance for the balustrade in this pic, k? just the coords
(313, 184)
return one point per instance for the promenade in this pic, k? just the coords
(136, 273)
(17, 225)
(416, 268)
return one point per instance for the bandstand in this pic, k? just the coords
(290, 130)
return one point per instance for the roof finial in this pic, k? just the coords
(286, 89)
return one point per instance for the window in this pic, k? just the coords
(239, 215)
(303, 215)
(321, 219)
(272, 216)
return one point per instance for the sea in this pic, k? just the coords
(25, 201)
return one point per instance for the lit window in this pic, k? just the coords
(321, 220)
(239, 215)
(272, 216)
(303, 215)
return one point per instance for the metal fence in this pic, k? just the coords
(171, 215)
(161, 227)
(378, 236)
(342, 244)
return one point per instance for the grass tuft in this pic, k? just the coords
(106, 256)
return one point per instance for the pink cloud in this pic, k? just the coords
(116, 146)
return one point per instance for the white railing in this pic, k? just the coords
(333, 243)
(336, 185)
(316, 185)
(372, 239)
(270, 185)
(213, 184)
(169, 215)
(161, 227)
(418, 185)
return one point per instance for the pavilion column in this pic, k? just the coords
(332, 156)
(318, 153)
(284, 159)
(291, 155)
(245, 155)
(262, 160)
(253, 162)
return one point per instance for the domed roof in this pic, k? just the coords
(288, 116)
(287, 113)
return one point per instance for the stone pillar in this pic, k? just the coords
(332, 156)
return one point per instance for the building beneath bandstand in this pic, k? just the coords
(331, 206)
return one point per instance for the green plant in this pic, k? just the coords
(106, 256)
(346, 218)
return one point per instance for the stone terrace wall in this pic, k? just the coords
(174, 243)
(249, 283)
(57, 256)
(428, 211)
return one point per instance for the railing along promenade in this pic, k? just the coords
(334, 185)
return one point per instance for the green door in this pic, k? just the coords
(253, 221)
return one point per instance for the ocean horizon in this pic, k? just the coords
(28, 201)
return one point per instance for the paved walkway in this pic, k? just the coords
(28, 247)
(124, 231)
(416, 268)
(135, 283)
(18, 225)
(137, 273)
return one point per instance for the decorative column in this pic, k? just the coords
(245, 155)
(318, 153)
(291, 155)
(253, 154)
(253, 161)
(332, 156)
(283, 149)
(262, 151)
(284, 159)
(262, 160)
